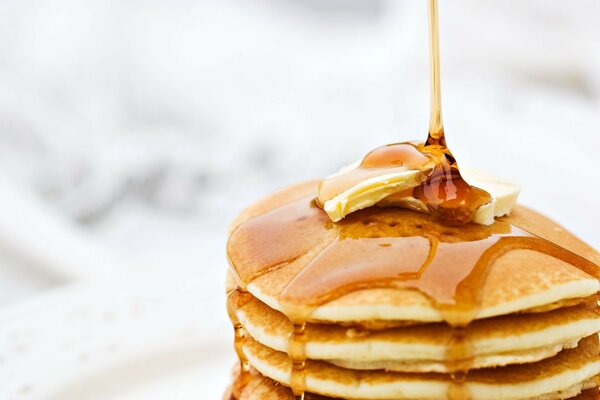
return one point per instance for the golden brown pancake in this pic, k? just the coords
(261, 388)
(518, 280)
(423, 348)
(570, 371)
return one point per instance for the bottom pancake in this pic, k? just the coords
(559, 377)
(259, 387)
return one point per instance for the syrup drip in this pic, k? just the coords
(459, 357)
(297, 354)
(459, 352)
(236, 299)
(457, 390)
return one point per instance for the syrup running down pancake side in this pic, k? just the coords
(235, 299)
(379, 248)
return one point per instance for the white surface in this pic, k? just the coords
(116, 339)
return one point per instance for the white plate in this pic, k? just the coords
(117, 339)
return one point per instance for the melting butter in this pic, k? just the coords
(394, 186)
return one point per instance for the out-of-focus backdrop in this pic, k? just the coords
(139, 128)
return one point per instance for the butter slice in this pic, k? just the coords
(370, 192)
(375, 191)
(504, 195)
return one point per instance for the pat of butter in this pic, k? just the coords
(504, 195)
(370, 192)
(379, 191)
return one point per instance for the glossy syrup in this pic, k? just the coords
(443, 191)
(235, 300)
(297, 353)
(379, 248)
(459, 359)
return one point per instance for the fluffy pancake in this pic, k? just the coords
(558, 377)
(262, 388)
(424, 348)
(259, 387)
(519, 280)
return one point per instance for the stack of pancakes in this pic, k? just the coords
(532, 331)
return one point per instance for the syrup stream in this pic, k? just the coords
(436, 126)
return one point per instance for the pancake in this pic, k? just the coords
(259, 387)
(424, 348)
(519, 280)
(562, 376)
(262, 388)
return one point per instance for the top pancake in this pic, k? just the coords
(520, 279)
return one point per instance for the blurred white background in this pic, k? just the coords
(140, 128)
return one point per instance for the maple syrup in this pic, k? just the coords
(236, 299)
(297, 353)
(443, 190)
